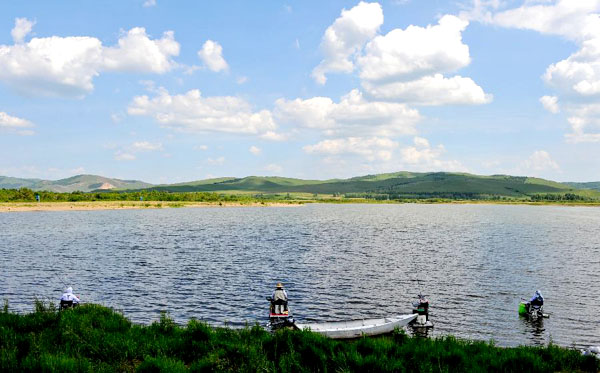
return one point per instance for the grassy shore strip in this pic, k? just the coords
(127, 205)
(123, 205)
(92, 338)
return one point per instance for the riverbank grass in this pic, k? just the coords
(95, 338)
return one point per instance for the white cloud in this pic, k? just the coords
(407, 66)
(145, 146)
(149, 3)
(22, 28)
(423, 157)
(128, 152)
(585, 123)
(136, 52)
(274, 168)
(212, 56)
(352, 115)
(66, 66)
(431, 90)
(540, 160)
(372, 148)
(416, 52)
(202, 147)
(241, 80)
(575, 20)
(550, 103)
(576, 78)
(123, 156)
(190, 112)
(15, 125)
(255, 150)
(215, 161)
(275, 136)
(346, 37)
(402, 65)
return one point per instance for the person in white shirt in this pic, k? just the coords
(69, 296)
(280, 299)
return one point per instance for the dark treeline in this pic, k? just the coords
(559, 197)
(92, 338)
(27, 195)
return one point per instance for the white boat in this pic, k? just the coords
(358, 328)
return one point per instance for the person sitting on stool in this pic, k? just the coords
(68, 299)
(280, 299)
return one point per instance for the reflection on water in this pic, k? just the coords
(337, 262)
(534, 330)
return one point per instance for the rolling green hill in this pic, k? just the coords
(389, 185)
(397, 185)
(591, 185)
(84, 183)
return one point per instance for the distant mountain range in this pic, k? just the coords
(398, 183)
(84, 183)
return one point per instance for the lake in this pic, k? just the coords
(475, 263)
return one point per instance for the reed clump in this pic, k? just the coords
(93, 338)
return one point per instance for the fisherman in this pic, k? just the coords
(537, 300)
(280, 298)
(68, 296)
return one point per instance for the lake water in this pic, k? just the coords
(337, 262)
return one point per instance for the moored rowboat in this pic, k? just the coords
(358, 328)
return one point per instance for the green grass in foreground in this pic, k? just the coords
(95, 338)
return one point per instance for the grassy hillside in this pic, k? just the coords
(591, 185)
(84, 183)
(92, 338)
(398, 185)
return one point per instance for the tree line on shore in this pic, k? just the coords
(28, 195)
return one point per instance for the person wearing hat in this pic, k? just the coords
(280, 298)
(537, 299)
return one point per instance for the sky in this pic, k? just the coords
(173, 91)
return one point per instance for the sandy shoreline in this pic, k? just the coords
(126, 205)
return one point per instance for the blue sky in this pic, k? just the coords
(176, 91)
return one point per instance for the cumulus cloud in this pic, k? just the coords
(408, 65)
(371, 148)
(66, 66)
(22, 28)
(255, 150)
(212, 56)
(422, 156)
(191, 112)
(136, 52)
(352, 115)
(404, 65)
(346, 37)
(416, 51)
(550, 103)
(585, 123)
(15, 125)
(540, 160)
(431, 90)
(576, 78)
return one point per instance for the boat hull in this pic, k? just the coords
(358, 328)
